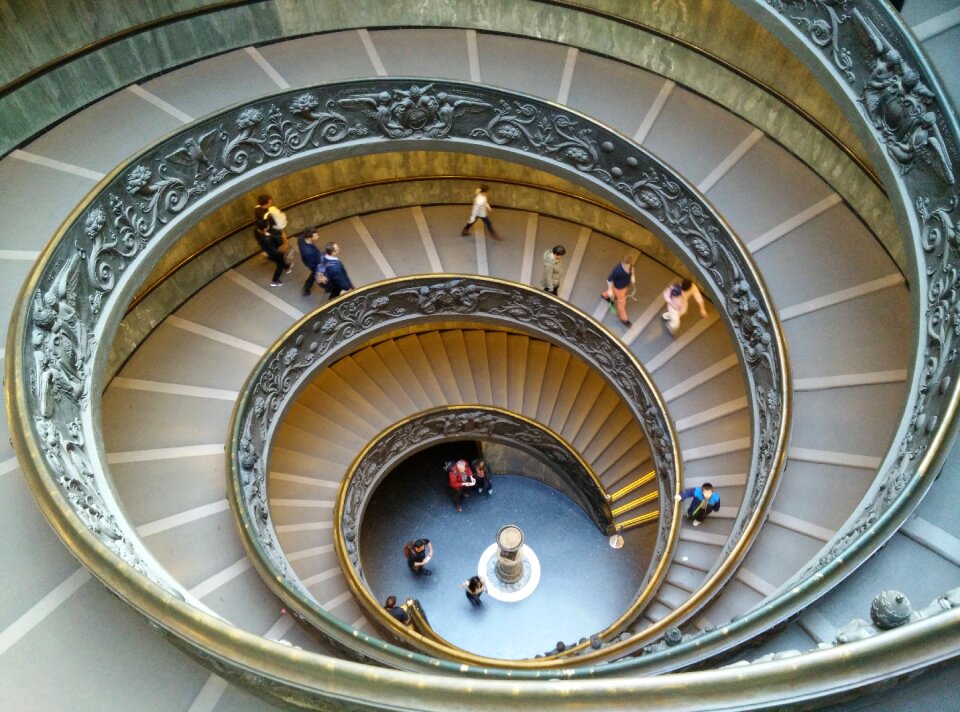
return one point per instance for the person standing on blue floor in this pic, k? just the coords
(460, 476)
(619, 280)
(703, 501)
(418, 555)
(310, 256)
(333, 270)
(482, 476)
(474, 589)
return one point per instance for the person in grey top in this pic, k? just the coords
(552, 268)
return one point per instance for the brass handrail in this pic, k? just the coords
(633, 486)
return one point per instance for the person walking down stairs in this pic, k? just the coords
(331, 273)
(268, 226)
(481, 211)
(678, 296)
(621, 278)
(396, 611)
(552, 268)
(310, 256)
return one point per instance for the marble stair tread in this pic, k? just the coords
(390, 354)
(456, 350)
(583, 406)
(189, 90)
(845, 337)
(307, 441)
(136, 421)
(249, 318)
(35, 542)
(754, 197)
(686, 114)
(173, 355)
(320, 397)
(599, 85)
(603, 411)
(608, 430)
(447, 57)
(28, 183)
(479, 363)
(334, 56)
(518, 346)
(152, 490)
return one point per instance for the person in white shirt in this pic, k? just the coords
(481, 210)
(677, 296)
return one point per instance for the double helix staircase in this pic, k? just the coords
(842, 301)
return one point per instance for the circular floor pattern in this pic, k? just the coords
(509, 592)
(584, 584)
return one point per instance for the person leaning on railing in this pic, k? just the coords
(396, 611)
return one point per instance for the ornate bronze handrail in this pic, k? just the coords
(74, 298)
(335, 330)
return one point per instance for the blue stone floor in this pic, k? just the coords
(584, 584)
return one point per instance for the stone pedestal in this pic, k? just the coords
(510, 555)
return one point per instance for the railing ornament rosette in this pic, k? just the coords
(387, 307)
(73, 301)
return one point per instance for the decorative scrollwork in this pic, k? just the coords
(417, 112)
(823, 28)
(898, 105)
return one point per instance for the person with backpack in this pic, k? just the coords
(310, 256)
(678, 296)
(418, 554)
(268, 225)
(330, 272)
(621, 277)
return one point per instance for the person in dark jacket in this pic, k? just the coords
(482, 475)
(396, 611)
(337, 279)
(310, 255)
(621, 278)
(418, 555)
(268, 224)
(703, 501)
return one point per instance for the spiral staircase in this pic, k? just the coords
(821, 241)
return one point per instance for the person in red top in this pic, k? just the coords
(460, 476)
